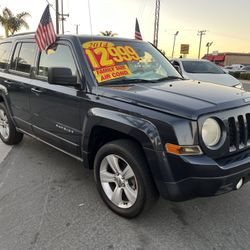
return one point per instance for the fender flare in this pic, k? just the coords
(142, 130)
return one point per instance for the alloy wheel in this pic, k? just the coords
(4, 125)
(118, 181)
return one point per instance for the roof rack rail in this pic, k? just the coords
(24, 33)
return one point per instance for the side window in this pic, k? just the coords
(23, 57)
(60, 56)
(4, 54)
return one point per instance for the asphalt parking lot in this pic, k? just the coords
(246, 85)
(49, 201)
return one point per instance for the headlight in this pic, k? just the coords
(239, 86)
(211, 132)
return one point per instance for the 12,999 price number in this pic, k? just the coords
(110, 56)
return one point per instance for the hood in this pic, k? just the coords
(222, 79)
(185, 98)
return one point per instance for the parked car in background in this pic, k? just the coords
(246, 69)
(234, 68)
(237, 66)
(228, 69)
(204, 70)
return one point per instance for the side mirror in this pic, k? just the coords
(61, 76)
(177, 67)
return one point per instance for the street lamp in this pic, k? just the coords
(208, 45)
(175, 35)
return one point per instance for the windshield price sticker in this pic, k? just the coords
(113, 72)
(106, 59)
(104, 54)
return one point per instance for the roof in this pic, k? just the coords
(30, 35)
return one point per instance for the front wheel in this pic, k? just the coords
(8, 133)
(123, 178)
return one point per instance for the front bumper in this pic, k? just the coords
(198, 186)
(195, 176)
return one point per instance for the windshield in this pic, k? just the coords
(246, 68)
(122, 62)
(201, 67)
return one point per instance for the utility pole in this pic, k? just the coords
(57, 18)
(208, 45)
(77, 26)
(156, 26)
(175, 35)
(200, 33)
(62, 16)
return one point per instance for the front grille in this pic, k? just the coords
(239, 132)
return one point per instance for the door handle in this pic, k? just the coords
(8, 82)
(36, 90)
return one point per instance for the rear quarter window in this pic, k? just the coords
(5, 49)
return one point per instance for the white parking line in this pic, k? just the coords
(4, 150)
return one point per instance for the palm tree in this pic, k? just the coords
(13, 23)
(108, 33)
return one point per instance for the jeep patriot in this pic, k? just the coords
(120, 107)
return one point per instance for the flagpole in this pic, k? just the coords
(90, 21)
(57, 18)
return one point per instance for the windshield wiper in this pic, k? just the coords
(126, 81)
(136, 80)
(167, 78)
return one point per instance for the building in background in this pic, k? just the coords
(229, 58)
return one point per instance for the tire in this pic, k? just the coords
(8, 133)
(123, 178)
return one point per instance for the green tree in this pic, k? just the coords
(108, 33)
(13, 23)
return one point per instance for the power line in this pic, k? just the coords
(141, 10)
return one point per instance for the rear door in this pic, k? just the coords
(5, 50)
(17, 80)
(56, 109)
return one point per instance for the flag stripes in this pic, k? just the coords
(138, 35)
(45, 33)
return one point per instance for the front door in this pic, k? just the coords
(56, 109)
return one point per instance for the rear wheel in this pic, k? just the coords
(123, 179)
(8, 133)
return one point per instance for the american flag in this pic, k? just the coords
(45, 33)
(137, 31)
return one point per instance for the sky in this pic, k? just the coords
(226, 22)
